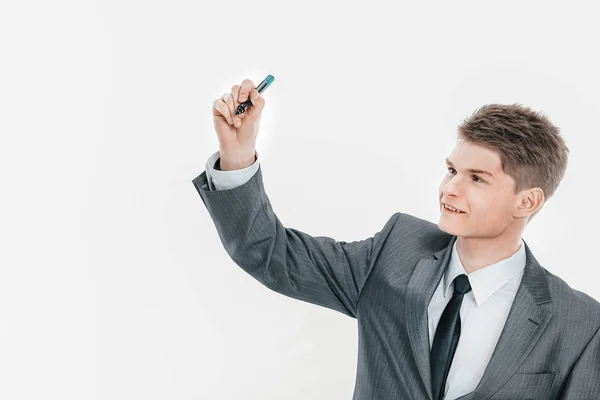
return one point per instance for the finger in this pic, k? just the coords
(224, 108)
(228, 99)
(220, 109)
(235, 91)
(247, 86)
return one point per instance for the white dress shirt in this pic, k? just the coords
(483, 311)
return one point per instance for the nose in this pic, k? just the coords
(451, 187)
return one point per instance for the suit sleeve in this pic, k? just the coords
(317, 270)
(584, 380)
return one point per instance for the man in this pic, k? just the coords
(461, 309)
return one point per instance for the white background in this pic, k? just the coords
(113, 281)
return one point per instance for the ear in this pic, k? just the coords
(530, 201)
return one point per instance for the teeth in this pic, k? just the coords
(452, 208)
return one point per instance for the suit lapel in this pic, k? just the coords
(422, 284)
(527, 320)
(525, 323)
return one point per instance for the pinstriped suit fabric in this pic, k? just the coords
(549, 347)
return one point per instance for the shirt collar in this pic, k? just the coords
(485, 281)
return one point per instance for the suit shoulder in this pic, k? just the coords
(420, 233)
(571, 299)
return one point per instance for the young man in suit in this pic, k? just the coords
(458, 310)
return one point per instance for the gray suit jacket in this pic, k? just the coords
(549, 347)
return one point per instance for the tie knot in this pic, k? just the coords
(461, 284)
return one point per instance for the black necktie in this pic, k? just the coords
(446, 337)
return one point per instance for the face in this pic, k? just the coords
(488, 201)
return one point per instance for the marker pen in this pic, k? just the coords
(260, 88)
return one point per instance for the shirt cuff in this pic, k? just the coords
(223, 180)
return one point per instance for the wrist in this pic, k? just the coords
(228, 162)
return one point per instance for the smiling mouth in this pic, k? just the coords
(447, 210)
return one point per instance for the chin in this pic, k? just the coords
(447, 227)
(444, 229)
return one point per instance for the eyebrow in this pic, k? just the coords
(475, 171)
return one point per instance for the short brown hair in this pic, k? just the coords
(530, 147)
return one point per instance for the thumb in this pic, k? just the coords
(258, 103)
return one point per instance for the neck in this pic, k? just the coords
(476, 253)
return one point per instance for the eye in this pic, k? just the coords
(476, 178)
